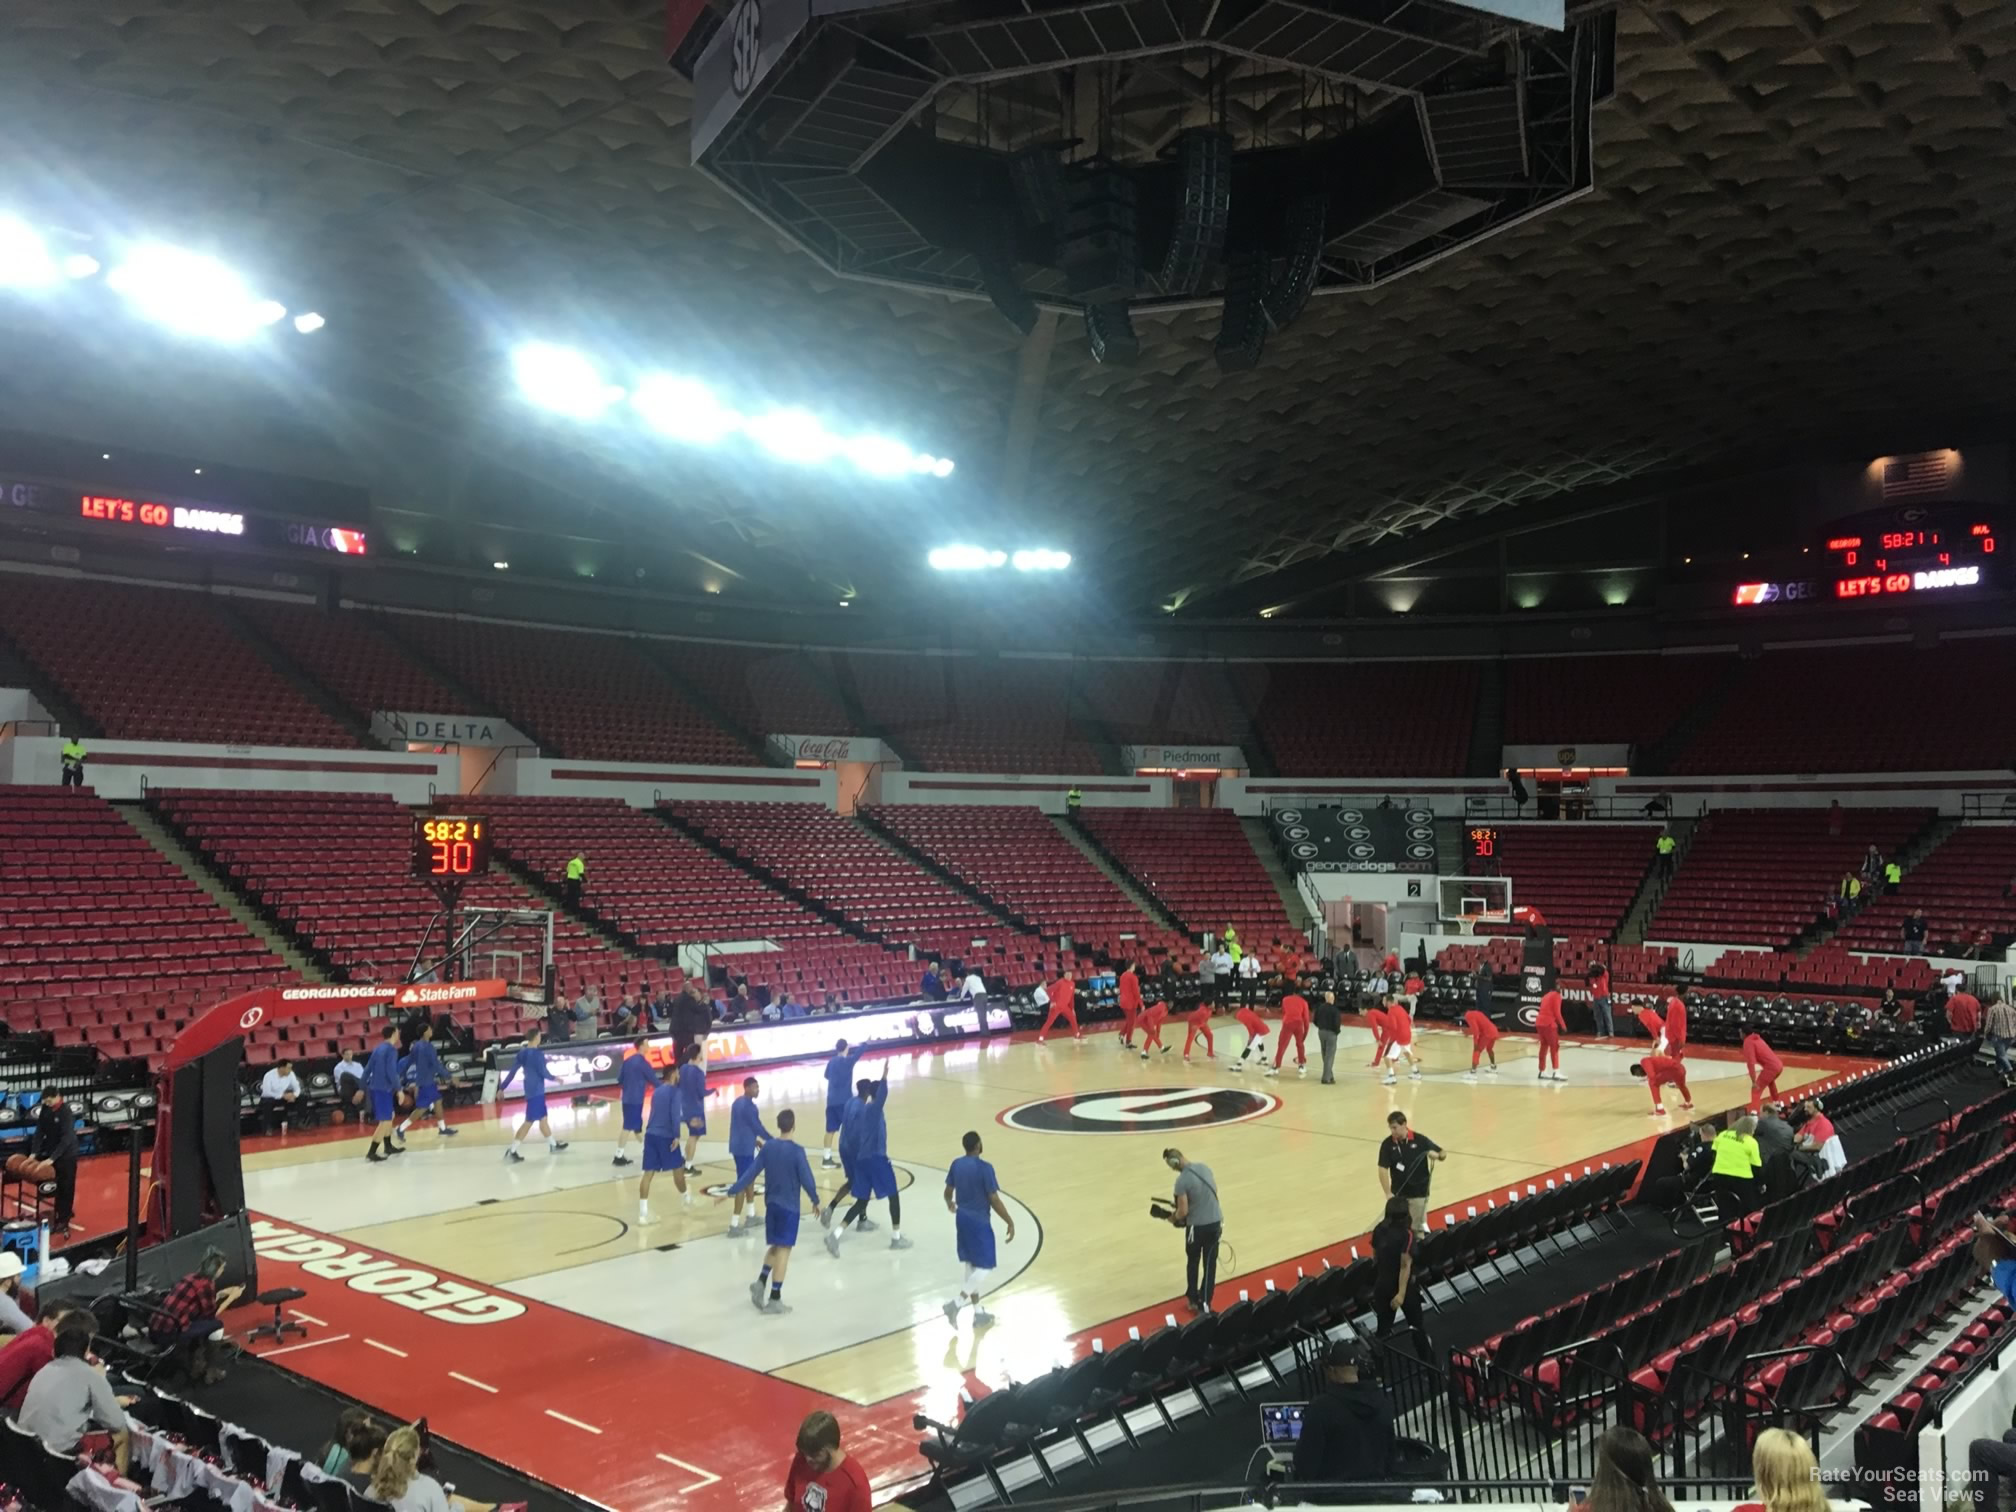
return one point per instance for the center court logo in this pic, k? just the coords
(1140, 1110)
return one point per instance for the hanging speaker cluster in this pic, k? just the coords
(1098, 247)
(1203, 209)
(1242, 334)
(1290, 285)
(1109, 331)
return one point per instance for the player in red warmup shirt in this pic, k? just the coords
(1062, 992)
(823, 1477)
(1662, 1070)
(1376, 1017)
(1483, 1041)
(1130, 1006)
(1294, 1026)
(1765, 1067)
(1199, 1020)
(1256, 1036)
(1548, 1027)
(1676, 1027)
(1400, 1039)
(1151, 1029)
(1653, 1025)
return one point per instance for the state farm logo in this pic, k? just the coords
(251, 1016)
(823, 750)
(1153, 1110)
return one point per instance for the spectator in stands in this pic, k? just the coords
(823, 1478)
(1850, 894)
(1207, 978)
(55, 1141)
(773, 1011)
(741, 1006)
(1817, 1136)
(348, 1078)
(629, 1013)
(1914, 932)
(1697, 1163)
(279, 1090)
(1665, 846)
(791, 1008)
(586, 1014)
(1737, 1162)
(73, 761)
(577, 873)
(1624, 1479)
(933, 985)
(1893, 876)
(2000, 1028)
(1787, 1474)
(1872, 863)
(1994, 1249)
(1890, 1007)
(189, 1318)
(1074, 800)
(1983, 944)
(69, 1396)
(1347, 1432)
(1774, 1142)
(397, 1481)
(359, 1436)
(25, 1354)
(14, 1319)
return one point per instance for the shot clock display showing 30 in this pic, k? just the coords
(450, 847)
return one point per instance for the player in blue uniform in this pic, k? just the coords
(422, 1067)
(971, 1193)
(785, 1172)
(745, 1134)
(692, 1100)
(532, 1061)
(633, 1083)
(873, 1176)
(381, 1086)
(839, 1077)
(661, 1147)
(850, 1146)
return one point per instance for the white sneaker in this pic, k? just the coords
(645, 1220)
(1273, 1070)
(1490, 1070)
(952, 1313)
(1470, 1077)
(981, 1317)
(899, 1242)
(1237, 1067)
(1559, 1077)
(1391, 1079)
(1415, 1074)
(1299, 1071)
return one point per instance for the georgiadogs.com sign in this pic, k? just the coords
(822, 749)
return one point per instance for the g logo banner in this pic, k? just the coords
(1142, 1111)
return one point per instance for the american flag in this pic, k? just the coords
(1916, 477)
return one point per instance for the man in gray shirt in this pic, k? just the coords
(1198, 1214)
(69, 1396)
(1774, 1143)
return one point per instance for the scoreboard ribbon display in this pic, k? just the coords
(1353, 839)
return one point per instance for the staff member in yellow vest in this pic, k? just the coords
(1666, 846)
(1893, 876)
(73, 762)
(1734, 1174)
(577, 872)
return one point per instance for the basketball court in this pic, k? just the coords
(525, 1310)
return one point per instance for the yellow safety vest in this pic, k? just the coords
(1736, 1154)
(1893, 873)
(576, 869)
(1665, 845)
(73, 751)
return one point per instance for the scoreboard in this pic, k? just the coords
(1896, 553)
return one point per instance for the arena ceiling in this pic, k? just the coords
(1800, 230)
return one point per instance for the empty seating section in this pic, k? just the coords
(666, 889)
(1828, 968)
(1016, 856)
(1582, 877)
(351, 656)
(974, 713)
(1164, 702)
(579, 695)
(1198, 864)
(1760, 877)
(847, 867)
(765, 690)
(347, 891)
(158, 664)
(1363, 719)
(1633, 968)
(1811, 711)
(1964, 886)
(102, 939)
(1611, 700)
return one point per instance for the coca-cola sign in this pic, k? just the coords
(825, 750)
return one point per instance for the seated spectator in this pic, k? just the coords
(359, 1436)
(70, 1396)
(628, 1015)
(1817, 1138)
(790, 1008)
(189, 1318)
(933, 985)
(1775, 1141)
(773, 1011)
(279, 1090)
(1914, 932)
(396, 1479)
(348, 1077)
(1983, 945)
(14, 1319)
(1347, 1432)
(1624, 1479)
(585, 1017)
(741, 1007)
(1786, 1473)
(26, 1353)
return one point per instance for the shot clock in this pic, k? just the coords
(450, 847)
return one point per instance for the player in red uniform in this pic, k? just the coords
(1765, 1067)
(1199, 1020)
(1256, 1036)
(1294, 1026)
(1483, 1041)
(1654, 1026)
(1130, 1005)
(1151, 1029)
(1062, 992)
(1661, 1070)
(1400, 1039)
(1548, 1027)
(1676, 1027)
(1376, 1018)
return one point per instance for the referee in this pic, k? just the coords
(1404, 1160)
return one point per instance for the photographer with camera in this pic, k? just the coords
(1198, 1214)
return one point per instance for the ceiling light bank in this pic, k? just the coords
(566, 381)
(187, 292)
(985, 559)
